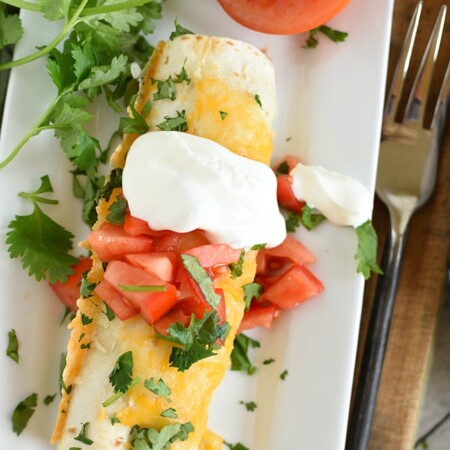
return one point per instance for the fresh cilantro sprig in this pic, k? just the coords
(10, 28)
(197, 341)
(41, 244)
(366, 253)
(334, 35)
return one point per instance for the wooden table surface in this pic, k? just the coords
(425, 268)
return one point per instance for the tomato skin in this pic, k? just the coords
(69, 292)
(180, 242)
(136, 227)
(282, 16)
(285, 194)
(160, 264)
(293, 287)
(111, 242)
(269, 260)
(213, 255)
(114, 299)
(258, 316)
(152, 305)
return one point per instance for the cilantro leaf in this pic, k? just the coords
(54, 10)
(165, 89)
(42, 246)
(283, 168)
(258, 246)
(266, 362)
(237, 267)
(49, 399)
(179, 31)
(251, 291)
(152, 439)
(331, 33)
(109, 312)
(258, 100)
(82, 435)
(115, 181)
(202, 278)
(366, 253)
(237, 446)
(101, 75)
(85, 320)
(120, 377)
(10, 28)
(159, 388)
(223, 114)
(198, 340)
(117, 210)
(249, 406)
(307, 218)
(135, 124)
(23, 412)
(170, 413)
(62, 365)
(86, 286)
(239, 356)
(178, 123)
(122, 20)
(13, 346)
(284, 374)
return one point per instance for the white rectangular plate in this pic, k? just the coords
(330, 102)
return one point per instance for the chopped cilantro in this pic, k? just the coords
(251, 291)
(109, 312)
(82, 435)
(179, 31)
(239, 356)
(82, 335)
(13, 346)
(258, 246)
(114, 420)
(23, 412)
(120, 377)
(198, 340)
(165, 89)
(237, 267)
(86, 286)
(331, 33)
(258, 100)
(284, 374)
(178, 123)
(49, 399)
(268, 361)
(115, 181)
(366, 253)
(223, 114)
(202, 278)
(152, 439)
(159, 388)
(237, 446)
(62, 365)
(306, 218)
(135, 124)
(40, 242)
(283, 168)
(250, 406)
(85, 320)
(133, 288)
(116, 212)
(170, 413)
(86, 346)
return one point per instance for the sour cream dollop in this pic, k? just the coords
(340, 198)
(181, 182)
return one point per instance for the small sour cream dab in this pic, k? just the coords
(181, 182)
(340, 198)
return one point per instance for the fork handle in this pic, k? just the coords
(375, 346)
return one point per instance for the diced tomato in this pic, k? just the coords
(152, 305)
(69, 291)
(285, 194)
(213, 255)
(136, 227)
(180, 242)
(290, 249)
(114, 299)
(160, 264)
(111, 242)
(174, 316)
(295, 286)
(258, 316)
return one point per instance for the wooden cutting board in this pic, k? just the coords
(425, 267)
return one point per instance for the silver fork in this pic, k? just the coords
(405, 181)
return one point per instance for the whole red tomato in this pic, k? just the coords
(282, 16)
